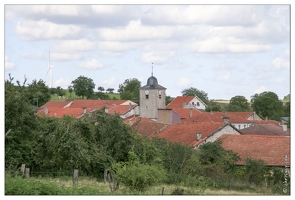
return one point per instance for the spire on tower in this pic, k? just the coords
(152, 69)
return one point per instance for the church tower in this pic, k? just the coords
(152, 97)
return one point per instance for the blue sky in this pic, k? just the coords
(224, 50)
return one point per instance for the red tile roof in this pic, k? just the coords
(95, 103)
(120, 109)
(241, 114)
(271, 149)
(216, 117)
(265, 129)
(145, 126)
(57, 104)
(185, 133)
(185, 112)
(178, 101)
(60, 112)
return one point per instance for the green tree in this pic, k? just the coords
(83, 86)
(38, 93)
(196, 92)
(110, 90)
(100, 89)
(255, 170)
(212, 106)
(129, 90)
(71, 89)
(60, 91)
(20, 122)
(267, 104)
(238, 104)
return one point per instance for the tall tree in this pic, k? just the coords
(267, 104)
(110, 90)
(129, 90)
(238, 104)
(83, 86)
(196, 92)
(100, 89)
(38, 93)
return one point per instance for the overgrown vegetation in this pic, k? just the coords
(103, 142)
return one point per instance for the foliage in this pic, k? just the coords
(129, 90)
(100, 89)
(138, 176)
(83, 86)
(38, 93)
(267, 104)
(212, 106)
(110, 90)
(196, 92)
(255, 170)
(238, 104)
(213, 154)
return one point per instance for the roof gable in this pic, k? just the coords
(179, 101)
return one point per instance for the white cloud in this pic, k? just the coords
(37, 30)
(117, 46)
(260, 89)
(110, 82)
(135, 31)
(63, 83)
(224, 77)
(280, 62)
(183, 82)
(74, 45)
(9, 65)
(91, 64)
(154, 57)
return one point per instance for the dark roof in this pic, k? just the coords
(265, 129)
(152, 83)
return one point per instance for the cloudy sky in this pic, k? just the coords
(224, 50)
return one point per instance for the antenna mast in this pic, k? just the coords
(152, 69)
(50, 70)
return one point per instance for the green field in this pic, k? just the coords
(72, 96)
(90, 186)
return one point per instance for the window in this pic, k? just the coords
(160, 96)
(198, 103)
(146, 96)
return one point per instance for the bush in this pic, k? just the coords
(138, 176)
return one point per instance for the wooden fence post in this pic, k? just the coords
(163, 190)
(22, 169)
(75, 177)
(27, 172)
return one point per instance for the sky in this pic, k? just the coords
(224, 50)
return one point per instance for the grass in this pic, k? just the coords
(55, 97)
(16, 185)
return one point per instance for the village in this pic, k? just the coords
(185, 121)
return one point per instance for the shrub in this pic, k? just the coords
(138, 176)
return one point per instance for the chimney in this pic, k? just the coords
(225, 119)
(106, 110)
(46, 110)
(130, 106)
(266, 119)
(184, 104)
(284, 127)
(84, 110)
(199, 136)
(190, 112)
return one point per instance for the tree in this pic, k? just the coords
(129, 90)
(100, 89)
(267, 104)
(83, 86)
(71, 89)
(238, 104)
(110, 90)
(212, 106)
(195, 92)
(38, 93)
(60, 91)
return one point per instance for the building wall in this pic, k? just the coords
(195, 103)
(134, 111)
(168, 116)
(149, 107)
(254, 116)
(226, 130)
(242, 125)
